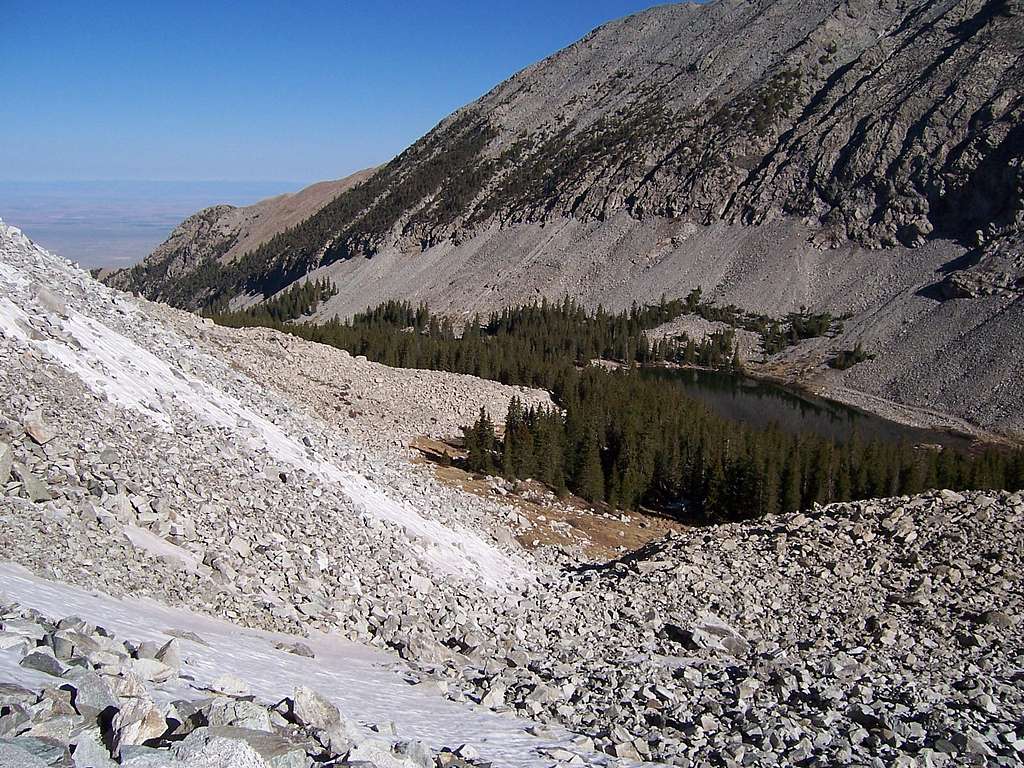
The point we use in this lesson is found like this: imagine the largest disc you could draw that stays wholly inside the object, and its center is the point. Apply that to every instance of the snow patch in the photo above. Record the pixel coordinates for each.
(148, 541)
(12, 276)
(364, 683)
(12, 321)
(115, 367)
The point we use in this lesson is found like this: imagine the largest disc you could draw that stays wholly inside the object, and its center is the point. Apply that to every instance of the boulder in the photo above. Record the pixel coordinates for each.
(380, 755)
(299, 649)
(170, 654)
(6, 463)
(47, 751)
(16, 754)
(137, 722)
(312, 710)
(224, 747)
(239, 714)
(36, 428)
(91, 694)
(90, 751)
(148, 757)
(35, 488)
(152, 670)
(710, 633)
(43, 660)
(416, 752)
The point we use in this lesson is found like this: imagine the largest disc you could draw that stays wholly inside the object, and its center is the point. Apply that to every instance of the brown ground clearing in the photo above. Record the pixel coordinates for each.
(569, 523)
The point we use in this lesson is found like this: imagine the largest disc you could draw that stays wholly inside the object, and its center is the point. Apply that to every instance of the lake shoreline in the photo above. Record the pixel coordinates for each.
(946, 429)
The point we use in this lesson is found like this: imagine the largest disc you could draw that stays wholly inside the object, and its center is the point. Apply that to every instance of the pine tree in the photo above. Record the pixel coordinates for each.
(589, 481)
(480, 444)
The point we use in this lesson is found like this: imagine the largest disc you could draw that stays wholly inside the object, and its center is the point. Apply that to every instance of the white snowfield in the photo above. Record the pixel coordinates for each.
(363, 683)
(119, 369)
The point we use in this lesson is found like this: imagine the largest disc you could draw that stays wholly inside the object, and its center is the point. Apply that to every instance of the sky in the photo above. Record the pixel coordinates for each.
(254, 91)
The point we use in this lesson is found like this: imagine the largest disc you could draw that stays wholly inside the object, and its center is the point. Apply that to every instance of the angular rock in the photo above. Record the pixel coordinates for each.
(35, 488)
(137, 722)
(6, 462)
(239, 748)
(50, 753)
(313, 710)
(42, 660)
(92, 695)
(170, 654)
(239, 714)
(90, 751)
(299, 649)
(16, 754)
(36, 428)
(151, 670)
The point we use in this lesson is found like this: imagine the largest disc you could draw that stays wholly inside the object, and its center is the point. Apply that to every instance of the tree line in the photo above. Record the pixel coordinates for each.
(627, 439)
(299, 300)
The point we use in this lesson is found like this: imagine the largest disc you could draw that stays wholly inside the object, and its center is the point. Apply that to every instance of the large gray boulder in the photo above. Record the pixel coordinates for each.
(35, 488)
(239, 714)
(90, 751)
(225, 747)
(43, 660)
(91, 694)
(313, 710)
(25, 751)
(14, 754)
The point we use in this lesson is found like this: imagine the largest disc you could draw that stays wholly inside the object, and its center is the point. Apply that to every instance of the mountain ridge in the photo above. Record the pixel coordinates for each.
(226, 232)
(830, 117)
(854, 157)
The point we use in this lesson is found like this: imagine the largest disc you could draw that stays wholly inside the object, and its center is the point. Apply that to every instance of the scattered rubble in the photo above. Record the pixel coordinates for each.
(96, 710)
(884, 632)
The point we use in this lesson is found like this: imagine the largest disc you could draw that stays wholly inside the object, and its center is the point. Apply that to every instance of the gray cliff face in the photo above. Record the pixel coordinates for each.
(854, 157)
(202, 237)
(881, 124)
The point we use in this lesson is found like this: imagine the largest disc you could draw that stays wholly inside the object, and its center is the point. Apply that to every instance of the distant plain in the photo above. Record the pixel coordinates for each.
(116, 223)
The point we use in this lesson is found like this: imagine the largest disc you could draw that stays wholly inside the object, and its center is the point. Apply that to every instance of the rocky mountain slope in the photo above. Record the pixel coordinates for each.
(241, 515)
(224, 233)
(854, 157)
(879, 123)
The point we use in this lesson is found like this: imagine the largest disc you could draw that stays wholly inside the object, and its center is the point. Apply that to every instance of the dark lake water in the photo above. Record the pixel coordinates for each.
(763, 403)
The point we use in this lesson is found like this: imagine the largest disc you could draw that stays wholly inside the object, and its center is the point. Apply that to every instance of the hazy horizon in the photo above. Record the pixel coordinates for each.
(115, 223)
(318, 90)
(109, 94)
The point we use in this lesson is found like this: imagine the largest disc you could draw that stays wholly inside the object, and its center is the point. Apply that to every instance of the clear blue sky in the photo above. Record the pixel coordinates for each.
(243, 91)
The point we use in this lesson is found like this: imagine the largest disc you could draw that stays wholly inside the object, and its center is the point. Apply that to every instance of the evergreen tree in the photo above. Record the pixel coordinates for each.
(589, 481)
(627, 436)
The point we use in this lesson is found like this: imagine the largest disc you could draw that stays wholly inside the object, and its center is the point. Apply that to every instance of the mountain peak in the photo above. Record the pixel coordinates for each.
(878, 124)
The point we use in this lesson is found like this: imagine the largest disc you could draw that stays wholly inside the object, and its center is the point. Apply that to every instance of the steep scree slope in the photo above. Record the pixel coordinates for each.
(879, 123)
(138, 457)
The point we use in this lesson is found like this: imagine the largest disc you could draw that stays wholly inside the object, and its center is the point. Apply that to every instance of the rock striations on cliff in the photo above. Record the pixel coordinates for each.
(861, 158)
(876, 123)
